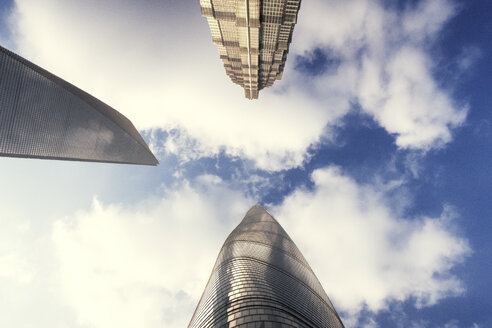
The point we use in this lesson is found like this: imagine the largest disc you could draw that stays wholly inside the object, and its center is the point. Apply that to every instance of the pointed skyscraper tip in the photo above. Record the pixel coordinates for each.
(43, 116)
(258, 212)
(261, 279)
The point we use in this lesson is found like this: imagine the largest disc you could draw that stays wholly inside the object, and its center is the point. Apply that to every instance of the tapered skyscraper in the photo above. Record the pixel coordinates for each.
(253, 38)
(43, 116)
(260, 279)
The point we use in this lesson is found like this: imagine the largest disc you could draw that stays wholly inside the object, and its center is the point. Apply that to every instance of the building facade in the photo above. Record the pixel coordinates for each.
(260, 279)
(253, 38)
(43, 116)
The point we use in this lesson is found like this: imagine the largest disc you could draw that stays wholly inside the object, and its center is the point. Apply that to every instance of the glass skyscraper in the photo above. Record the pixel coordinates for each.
(43, 116)
(253, 38)
(261, 280)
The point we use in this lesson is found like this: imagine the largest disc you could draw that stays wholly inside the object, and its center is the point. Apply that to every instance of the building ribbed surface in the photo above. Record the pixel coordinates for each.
(260, 279)
(253, 38)
(43, 116)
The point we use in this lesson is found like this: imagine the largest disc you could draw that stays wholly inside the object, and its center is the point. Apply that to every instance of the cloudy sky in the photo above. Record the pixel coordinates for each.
(373, 152)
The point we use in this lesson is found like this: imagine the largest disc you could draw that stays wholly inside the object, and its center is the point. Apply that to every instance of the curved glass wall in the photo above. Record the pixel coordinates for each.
(261, 279)
(43, 116)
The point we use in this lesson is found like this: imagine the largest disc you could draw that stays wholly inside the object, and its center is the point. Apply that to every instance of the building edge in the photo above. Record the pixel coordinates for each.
(104, 109)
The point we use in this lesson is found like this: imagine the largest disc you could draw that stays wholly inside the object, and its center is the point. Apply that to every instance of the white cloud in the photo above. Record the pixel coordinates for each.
(414, 109)
(155, 62)
(145, 265)
(456, 324)
(385, 65)
(28, 273)
(12, 267)
(427, 18)
(364, 253)
(468, 57)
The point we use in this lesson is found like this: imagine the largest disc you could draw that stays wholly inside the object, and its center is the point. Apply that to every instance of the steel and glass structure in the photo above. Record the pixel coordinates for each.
(261, 280)
(253, 38)
(43, 116)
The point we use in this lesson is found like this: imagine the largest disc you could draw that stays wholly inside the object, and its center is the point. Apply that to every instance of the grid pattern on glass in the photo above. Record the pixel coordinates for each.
(43, 116)
(260, 279)
(253, 38)
(278, 18)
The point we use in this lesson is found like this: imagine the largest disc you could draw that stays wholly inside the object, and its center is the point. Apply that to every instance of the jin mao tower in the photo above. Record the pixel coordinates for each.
(253, 38)
(260, 280)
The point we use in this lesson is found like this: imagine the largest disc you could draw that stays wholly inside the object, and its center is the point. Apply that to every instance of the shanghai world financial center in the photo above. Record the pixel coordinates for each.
(260, 278)
(43, 116)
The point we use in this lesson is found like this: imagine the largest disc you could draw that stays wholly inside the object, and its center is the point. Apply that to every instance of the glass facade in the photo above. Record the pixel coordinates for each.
(43, 116)
(261, 279)
(253, 38)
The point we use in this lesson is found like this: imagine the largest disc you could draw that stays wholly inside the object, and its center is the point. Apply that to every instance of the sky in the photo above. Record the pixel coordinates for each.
(373, 152)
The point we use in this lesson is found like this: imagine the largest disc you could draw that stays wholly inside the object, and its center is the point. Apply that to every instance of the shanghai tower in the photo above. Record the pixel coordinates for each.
(261, 279)
(253, 38)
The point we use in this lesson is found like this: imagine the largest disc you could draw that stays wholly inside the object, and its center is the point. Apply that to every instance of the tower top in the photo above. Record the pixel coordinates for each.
(261, 279)
(44, 116)
(253, 38)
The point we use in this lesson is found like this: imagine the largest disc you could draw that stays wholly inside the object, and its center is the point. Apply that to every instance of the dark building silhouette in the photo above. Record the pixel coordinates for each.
(43, 116)
(253, 38)
(260, 279)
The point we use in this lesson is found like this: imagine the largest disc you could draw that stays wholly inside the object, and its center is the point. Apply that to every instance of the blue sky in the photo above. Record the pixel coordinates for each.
(373, 152)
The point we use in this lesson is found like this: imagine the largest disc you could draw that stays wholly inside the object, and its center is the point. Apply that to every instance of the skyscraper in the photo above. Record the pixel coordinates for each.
(43, 116)
(260, 279)
(253, 38)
